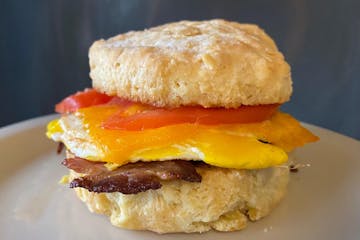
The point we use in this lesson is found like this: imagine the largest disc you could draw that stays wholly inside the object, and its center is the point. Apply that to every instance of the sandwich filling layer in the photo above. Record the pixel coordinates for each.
(239, 145)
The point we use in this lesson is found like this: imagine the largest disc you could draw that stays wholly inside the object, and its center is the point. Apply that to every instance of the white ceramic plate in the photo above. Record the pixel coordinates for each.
(323, 201)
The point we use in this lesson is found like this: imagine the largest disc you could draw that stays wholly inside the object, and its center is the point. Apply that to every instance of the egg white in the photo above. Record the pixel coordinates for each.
(77, 139)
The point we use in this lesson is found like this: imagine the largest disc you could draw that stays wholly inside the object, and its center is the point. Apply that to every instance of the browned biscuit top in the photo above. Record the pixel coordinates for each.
(213, 63)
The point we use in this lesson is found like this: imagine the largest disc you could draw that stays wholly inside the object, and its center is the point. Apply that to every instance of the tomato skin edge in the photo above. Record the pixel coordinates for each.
(155, 118)
(87, 98)
(136, 116)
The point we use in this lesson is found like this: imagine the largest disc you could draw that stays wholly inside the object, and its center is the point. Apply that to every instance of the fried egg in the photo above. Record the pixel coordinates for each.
(240, 146)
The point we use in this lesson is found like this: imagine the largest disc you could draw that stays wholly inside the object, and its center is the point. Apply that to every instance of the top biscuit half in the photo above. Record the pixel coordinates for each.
(213, 63)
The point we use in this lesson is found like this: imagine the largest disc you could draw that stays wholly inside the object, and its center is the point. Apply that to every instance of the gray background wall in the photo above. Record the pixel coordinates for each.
(43, 49)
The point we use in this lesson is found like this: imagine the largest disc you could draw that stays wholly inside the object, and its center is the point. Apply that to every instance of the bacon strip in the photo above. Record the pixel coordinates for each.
(131, 178)
(60, 147)
(81, 165)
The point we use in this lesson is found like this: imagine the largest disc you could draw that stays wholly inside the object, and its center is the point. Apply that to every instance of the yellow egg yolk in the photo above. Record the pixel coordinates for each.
(241, 146)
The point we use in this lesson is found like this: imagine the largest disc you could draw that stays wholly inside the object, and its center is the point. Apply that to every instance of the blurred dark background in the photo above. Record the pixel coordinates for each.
(44, 44)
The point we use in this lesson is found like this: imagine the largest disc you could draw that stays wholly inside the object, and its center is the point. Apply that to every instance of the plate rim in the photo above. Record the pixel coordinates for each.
(20, 126)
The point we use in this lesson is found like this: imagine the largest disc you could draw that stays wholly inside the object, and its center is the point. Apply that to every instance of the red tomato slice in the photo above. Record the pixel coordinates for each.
(87, 98)
(159, 117)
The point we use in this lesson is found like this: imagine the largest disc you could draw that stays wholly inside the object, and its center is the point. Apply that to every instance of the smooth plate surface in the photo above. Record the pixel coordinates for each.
(323, 201)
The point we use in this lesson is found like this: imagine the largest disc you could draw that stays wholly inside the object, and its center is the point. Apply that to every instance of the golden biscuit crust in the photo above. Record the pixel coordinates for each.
(225, 200)
(213, 63)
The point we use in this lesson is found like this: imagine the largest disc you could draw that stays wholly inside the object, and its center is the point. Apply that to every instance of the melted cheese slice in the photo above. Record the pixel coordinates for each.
(229, 146)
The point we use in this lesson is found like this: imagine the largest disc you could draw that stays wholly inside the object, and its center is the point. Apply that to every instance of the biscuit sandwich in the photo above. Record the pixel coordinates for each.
(181, 130)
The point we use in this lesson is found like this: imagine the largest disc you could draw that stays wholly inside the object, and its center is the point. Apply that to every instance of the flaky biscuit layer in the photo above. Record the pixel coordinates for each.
(225, 200)
(213, 63)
